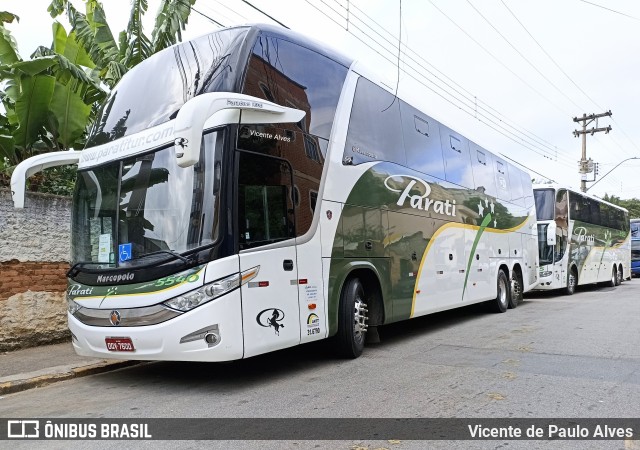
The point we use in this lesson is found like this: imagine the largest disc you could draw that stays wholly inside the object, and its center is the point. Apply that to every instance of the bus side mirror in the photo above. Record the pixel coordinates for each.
(36, 164)
(551, 233)
(190, 121)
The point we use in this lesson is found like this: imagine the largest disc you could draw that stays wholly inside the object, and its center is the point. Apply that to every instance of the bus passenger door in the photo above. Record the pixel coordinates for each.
(266, 238)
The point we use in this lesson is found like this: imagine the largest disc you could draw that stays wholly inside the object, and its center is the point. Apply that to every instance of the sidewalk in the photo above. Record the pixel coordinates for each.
(39, 366)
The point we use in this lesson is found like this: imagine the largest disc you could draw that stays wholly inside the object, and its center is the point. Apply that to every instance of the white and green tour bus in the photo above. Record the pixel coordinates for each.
(251, 190)
(581, 239)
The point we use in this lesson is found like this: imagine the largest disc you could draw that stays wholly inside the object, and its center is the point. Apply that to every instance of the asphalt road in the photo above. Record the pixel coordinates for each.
(552, 357)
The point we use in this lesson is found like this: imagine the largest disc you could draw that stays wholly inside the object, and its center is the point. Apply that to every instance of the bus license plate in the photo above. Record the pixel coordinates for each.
(119, 344)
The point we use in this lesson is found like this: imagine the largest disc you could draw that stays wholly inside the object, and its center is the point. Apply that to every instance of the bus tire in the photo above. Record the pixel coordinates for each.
(620, 275)
(501, 302)
(613, 282)
(572, 282)
(352, 319)
(516, 290)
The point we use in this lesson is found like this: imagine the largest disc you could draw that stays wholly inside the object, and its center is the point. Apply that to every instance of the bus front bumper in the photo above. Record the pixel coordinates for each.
(211, 332)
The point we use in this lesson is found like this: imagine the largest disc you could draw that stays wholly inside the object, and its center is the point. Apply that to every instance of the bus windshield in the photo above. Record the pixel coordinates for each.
(152, 92)
(128, 209)
(545, 200)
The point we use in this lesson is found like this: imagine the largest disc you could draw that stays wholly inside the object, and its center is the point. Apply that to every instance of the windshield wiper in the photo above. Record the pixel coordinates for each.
(75, 269)
(159, 252)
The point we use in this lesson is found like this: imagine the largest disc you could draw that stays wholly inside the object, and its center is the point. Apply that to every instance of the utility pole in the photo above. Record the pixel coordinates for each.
(585, 165)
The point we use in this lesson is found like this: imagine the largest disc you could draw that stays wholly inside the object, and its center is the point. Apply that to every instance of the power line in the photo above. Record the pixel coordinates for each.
(509, 136)
(499, 123)
(267, 15)
(523, 56)
(231, 10)
(219, 14)
(498, 60)
(395, 95)
(609, 9)
(202, 14)
(528, 168)
(467, 96)
(569, 78)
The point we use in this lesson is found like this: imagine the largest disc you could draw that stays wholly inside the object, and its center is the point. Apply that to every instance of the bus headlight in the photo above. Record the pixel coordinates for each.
(211, 291)
(72, 306)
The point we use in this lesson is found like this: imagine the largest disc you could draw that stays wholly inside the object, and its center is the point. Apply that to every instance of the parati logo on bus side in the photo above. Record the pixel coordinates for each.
(417, 201)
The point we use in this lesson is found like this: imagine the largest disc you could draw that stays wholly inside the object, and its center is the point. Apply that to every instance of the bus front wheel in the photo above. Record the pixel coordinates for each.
(352, 319)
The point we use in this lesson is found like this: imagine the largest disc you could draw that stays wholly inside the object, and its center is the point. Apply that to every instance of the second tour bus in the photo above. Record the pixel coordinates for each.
(251, 190)
(582, 239)
(635, 247)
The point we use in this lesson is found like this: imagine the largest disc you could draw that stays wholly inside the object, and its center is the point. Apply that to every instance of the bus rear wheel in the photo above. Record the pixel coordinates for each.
(572, 281)
(620, 276)
(352, 319)
(516, 290)
(501, 302)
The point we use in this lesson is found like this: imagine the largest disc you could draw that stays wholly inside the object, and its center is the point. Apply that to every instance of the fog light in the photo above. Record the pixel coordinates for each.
(210, 334)
(211, 339)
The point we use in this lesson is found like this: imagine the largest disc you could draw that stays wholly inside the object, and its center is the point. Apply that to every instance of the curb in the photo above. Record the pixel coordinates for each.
(11, 387)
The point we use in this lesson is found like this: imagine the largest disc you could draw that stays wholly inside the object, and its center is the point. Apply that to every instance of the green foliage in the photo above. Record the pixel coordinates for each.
(51, 100)
(55, 180)
(171, 20)
(632, 204)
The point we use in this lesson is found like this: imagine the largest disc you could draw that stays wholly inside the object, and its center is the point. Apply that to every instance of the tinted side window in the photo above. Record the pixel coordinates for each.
(580, 207)
(457, 163)
(291, 75)
(303, 151)
(482, 165)
(562, 208)
(265, 208)
(375, 132)
(422, 141)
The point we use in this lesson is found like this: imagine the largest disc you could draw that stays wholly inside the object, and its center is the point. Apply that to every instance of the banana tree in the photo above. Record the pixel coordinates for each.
(47, 99)
(51, 100)
(114, 58)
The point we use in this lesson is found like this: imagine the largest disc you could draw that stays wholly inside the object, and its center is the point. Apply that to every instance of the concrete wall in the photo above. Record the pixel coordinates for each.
(34, 257)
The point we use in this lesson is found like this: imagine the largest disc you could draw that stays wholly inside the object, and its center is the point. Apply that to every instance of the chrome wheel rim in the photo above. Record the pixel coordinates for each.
(515, 289)
(502, 292)
(360, 319)
(572, 281)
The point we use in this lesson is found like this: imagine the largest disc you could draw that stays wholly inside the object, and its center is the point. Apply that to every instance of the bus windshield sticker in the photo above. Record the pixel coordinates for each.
(124, 252)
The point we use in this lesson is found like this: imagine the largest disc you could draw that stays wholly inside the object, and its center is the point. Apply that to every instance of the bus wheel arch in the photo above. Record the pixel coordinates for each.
(360, 306)
(517, 287)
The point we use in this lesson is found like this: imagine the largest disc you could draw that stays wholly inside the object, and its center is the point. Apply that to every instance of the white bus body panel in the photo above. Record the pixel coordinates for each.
(162, 341)
(270, 313)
